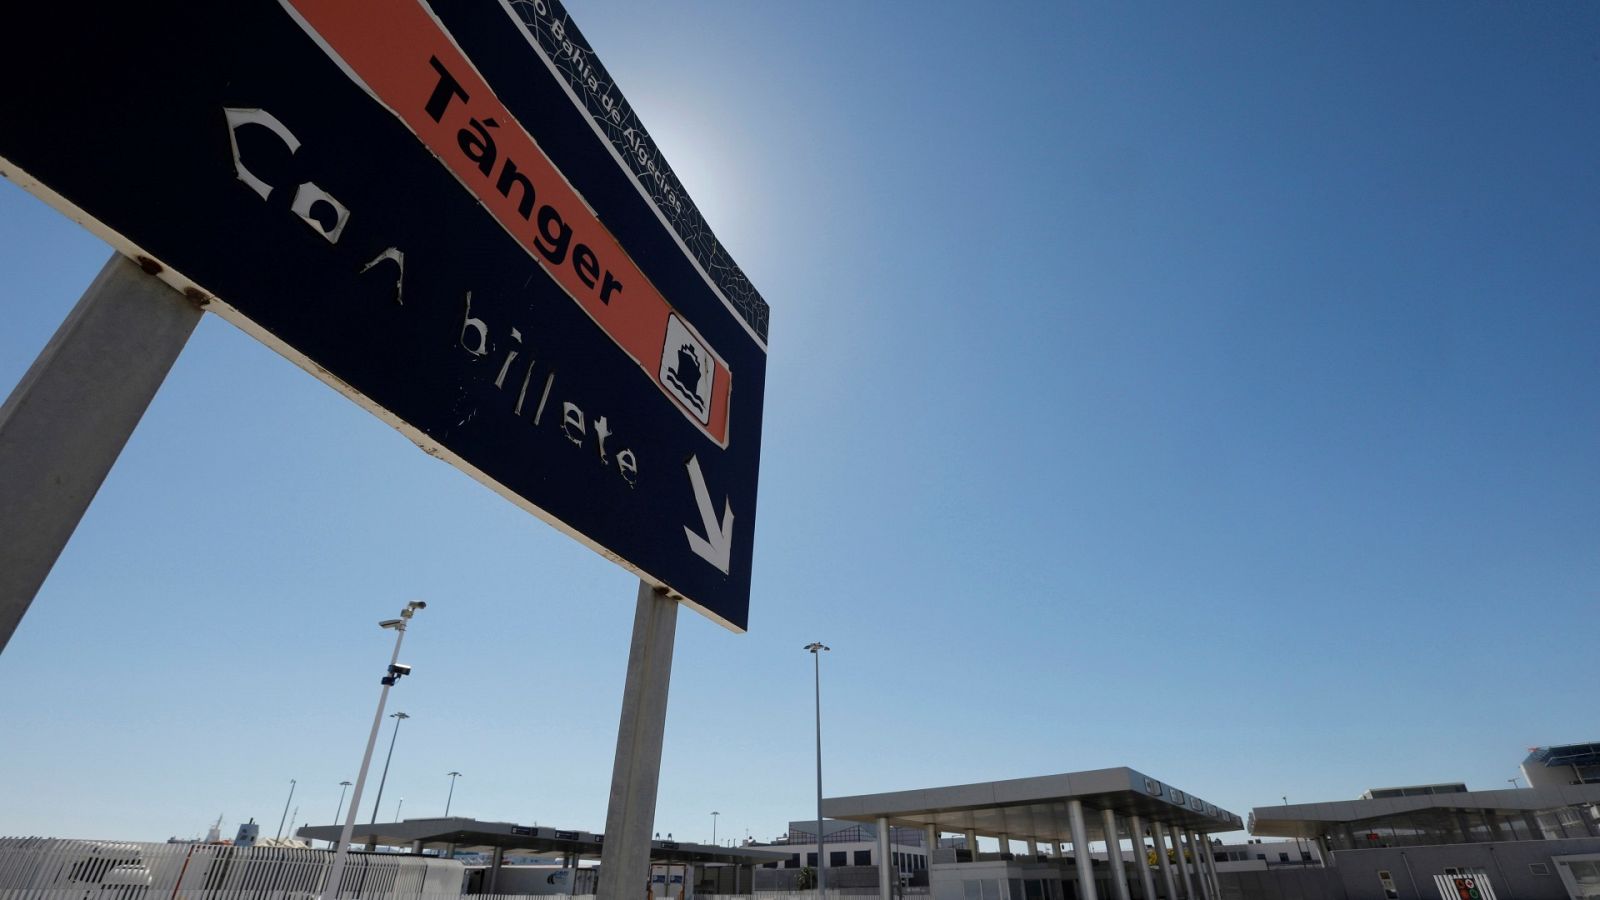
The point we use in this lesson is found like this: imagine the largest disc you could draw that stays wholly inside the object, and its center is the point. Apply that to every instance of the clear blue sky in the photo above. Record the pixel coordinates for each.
(1206, 389)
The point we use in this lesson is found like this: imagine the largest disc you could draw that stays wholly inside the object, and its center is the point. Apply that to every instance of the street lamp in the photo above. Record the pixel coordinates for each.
(1513, 781)
(396, 671)
(399, 806)
(452, 794)
(817, 648)
(1299, 847)
(714, 815)
(285, 816)
(398, 718)
(343, 786)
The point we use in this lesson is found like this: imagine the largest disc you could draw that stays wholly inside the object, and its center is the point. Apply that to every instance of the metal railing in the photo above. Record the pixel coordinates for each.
(63, 869)
(848, 893)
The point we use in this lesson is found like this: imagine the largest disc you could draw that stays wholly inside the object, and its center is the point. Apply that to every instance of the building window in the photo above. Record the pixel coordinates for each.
(981, 889)
(1283, 857)
(863, 857)
(837, 858)
(811, 859)
(1539, 868)
(793, 862)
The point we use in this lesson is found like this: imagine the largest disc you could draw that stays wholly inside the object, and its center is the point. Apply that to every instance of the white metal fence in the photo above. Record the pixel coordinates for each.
(57, 869)
(839, 894)
(65, 869)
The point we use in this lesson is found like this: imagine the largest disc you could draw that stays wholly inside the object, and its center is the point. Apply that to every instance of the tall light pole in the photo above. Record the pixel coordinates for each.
(330, 890)
(1299, 847)
(1513, 781)
(398, 718)
(452, 794)
(285, 816)
(399, 806)
(343, 786)
(817, 648)
(714, 815)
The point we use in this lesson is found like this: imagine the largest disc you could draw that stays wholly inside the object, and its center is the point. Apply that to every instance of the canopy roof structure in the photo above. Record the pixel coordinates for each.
(1036, 808)
(1310, 820)
(473, 835)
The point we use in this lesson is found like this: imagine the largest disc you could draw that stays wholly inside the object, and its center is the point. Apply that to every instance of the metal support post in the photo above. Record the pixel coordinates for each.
(1211, 868)
(1197, 852)
(885, 861)
(1141, 861)
(1191, 891)
(70, 415)
(1178, 853)
(1168, 881)
(636, 771)
(1080, 851)
(495, 862)
(1119, 874)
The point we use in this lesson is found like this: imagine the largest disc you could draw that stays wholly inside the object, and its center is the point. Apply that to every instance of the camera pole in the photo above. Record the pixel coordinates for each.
(330, 891)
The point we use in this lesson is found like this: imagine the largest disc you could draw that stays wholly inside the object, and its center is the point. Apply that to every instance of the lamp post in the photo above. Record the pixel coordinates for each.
(340, 809)
(1513, 781)
(285, 816)
(399, 806)
(398, 718)
(714, 815)
(343, 786)
(452, 794)
(1299, 847)
(330, 890)
(817, 648)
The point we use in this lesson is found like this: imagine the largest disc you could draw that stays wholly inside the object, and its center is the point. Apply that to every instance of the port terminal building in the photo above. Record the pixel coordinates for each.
(1416, 842)
(1153, 838)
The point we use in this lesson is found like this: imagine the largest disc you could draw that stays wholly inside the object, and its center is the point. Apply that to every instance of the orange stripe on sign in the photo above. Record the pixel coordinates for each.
(402, 56)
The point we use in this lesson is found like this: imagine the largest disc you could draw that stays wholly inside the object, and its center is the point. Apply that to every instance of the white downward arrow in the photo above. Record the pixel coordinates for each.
(717, 545)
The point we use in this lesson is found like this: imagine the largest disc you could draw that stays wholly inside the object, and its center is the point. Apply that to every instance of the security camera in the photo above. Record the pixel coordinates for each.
(399, 669)
(391, 623)
(417, 604)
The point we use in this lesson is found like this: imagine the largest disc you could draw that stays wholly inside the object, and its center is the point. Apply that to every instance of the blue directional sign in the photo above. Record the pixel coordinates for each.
(445, 210)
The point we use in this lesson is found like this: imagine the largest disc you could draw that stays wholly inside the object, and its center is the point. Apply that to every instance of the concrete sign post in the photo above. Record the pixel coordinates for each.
(625, 855)
(449, 213)
(70, 415)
